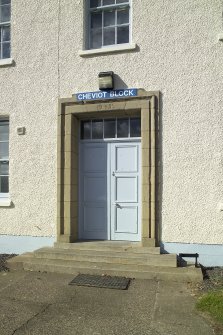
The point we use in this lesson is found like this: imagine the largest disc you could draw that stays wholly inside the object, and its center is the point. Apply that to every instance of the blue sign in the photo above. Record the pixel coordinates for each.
(115, 94)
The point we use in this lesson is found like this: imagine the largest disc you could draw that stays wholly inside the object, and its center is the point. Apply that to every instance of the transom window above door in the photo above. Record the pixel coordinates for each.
(111, 128)
(109, 23)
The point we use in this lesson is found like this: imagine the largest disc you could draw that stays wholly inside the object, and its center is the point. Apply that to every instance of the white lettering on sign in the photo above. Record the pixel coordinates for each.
(107, 94)
(121, 93)
(91, 96)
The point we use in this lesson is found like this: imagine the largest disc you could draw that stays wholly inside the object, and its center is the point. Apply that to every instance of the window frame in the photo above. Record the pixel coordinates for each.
(4, 25)
(127, 4)
(5, 195)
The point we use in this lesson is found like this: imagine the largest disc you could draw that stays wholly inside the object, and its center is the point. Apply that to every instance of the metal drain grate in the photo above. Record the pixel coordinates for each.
(119, 283)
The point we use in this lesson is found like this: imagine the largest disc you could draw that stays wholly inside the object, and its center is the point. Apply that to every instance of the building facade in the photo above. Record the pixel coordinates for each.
(141, 167)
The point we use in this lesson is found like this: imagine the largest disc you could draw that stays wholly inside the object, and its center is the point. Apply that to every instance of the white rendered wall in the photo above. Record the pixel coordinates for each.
(29, 92)
(178, 53)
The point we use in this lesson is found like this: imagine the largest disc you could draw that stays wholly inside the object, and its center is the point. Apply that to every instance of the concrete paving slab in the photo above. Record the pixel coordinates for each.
(167, 288)
(184, 307)
(164, 328)
(41, 287)
(44, 304)
(15, 313)
(63, 319)
(7, 278)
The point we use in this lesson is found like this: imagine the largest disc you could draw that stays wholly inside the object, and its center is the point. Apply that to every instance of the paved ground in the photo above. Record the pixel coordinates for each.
(44, 304)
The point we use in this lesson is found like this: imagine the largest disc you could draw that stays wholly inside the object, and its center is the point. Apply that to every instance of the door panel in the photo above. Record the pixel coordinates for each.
(94, 220)
(126, 158)
(126, 189)
(94, 188)
(93, 191)
(94, 157)
(125, 192)
(126, 220)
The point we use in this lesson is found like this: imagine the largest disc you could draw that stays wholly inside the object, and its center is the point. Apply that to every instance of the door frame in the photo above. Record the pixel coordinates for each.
(70, 112)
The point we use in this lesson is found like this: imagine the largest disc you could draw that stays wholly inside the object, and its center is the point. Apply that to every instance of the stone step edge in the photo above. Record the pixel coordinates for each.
(95, 264)
(16, 262)
(193, 275)
(98, 246)
(96, 253)
(140, 251)
(172, 262)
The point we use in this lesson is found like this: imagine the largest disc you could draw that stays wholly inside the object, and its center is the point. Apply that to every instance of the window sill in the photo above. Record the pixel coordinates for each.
(6, 61)
(108, 50)
(5, 202)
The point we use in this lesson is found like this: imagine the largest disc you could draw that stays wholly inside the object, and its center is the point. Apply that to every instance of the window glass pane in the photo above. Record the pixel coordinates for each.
(4, 184)
(5, 14)
(5, 34)
(4, 150)
(122, 35)
(97, 129)
(122, 127)
(6, 50)
(4, 168)
(96, 20)
(4, 132)
(95, 3)
(85, 130)
(5, 2)
(109, 36)
(108, 2)
(96, 38)
(123, 16)
(109, 128)
(122, 1)
(109, 18)
(135, 127)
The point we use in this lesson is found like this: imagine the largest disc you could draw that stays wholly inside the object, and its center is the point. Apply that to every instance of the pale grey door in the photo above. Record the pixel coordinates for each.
(125, 192)
(109, 196)
(93, 191)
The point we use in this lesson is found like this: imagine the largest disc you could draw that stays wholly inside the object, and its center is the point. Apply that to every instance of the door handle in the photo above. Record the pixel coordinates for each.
(113, 173)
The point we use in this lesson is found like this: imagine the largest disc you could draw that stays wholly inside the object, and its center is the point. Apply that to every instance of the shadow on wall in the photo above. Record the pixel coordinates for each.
(10, 206)
(159, 168)
(119, 83)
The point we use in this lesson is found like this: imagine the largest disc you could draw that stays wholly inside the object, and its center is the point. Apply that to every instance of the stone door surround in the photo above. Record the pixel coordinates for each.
(146, 104)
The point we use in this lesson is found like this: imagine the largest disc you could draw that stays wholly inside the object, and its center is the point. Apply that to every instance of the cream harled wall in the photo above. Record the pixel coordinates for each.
(178, 53)
(29, 92)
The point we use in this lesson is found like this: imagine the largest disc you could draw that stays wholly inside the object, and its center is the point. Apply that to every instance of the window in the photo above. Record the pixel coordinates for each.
(4, 158)
(109, 22)
(5, 38)
(111, 128)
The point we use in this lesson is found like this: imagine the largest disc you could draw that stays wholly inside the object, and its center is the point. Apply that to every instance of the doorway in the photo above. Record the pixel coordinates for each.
(121, 121)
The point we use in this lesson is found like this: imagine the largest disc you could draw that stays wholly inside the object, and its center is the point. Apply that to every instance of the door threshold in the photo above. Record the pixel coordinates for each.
(121, 242)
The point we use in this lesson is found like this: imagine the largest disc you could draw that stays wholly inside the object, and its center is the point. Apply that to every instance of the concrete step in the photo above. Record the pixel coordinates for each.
(76, 264)
(95, 256)
(149, 272)
(119, 246)
(16, 263)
